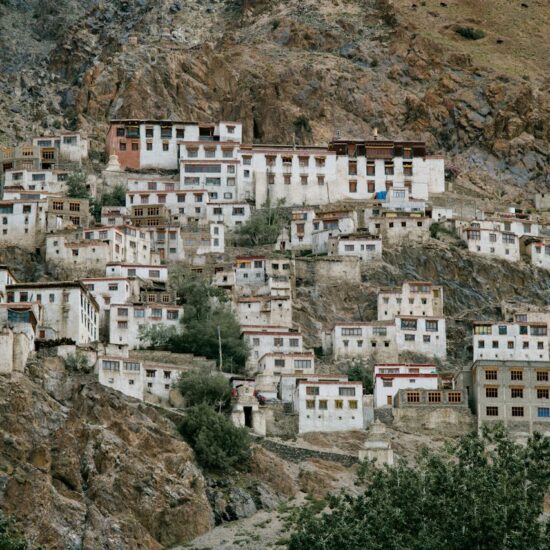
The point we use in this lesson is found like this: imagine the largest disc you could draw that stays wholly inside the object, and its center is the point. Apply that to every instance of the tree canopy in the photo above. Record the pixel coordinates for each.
(206, 316)
(264, 225)
(484, 492)
(204, 387)
(218, 444)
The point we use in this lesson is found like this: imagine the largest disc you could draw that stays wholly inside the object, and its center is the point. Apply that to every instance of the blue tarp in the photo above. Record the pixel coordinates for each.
(381, 195)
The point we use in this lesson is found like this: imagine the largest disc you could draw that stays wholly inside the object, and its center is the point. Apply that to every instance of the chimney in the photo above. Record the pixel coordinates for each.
(375, 133)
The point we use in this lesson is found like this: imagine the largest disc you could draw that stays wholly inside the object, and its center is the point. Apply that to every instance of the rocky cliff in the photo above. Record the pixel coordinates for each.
(304, 68)
(83, 467)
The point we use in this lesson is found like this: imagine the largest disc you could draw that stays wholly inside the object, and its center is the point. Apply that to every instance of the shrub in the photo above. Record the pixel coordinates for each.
(9, 540)
(77, 362)
(203, 387)
(218, 444)
(470, 33)
(264, 225)
(358, 372)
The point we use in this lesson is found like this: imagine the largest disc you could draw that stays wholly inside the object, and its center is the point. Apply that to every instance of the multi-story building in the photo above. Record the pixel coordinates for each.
(536, 251)
(151, 272)
(364, 246)
(126, 321)
(52, 181)
(140, 144)
(425, 335)
(143, 380)
(114, 215)
(326, 406)
(492, 242)
(64, 147)
(329, 224)
(364, 339)
(6, 278)
(264, 310)
(301, 228)
(231, 214)
(68, 309)
(393, 227)
(346, 170)
(515, 393)
(511, 341)
(416, 298)
(287, 363)
(389, 378)
(274, 339)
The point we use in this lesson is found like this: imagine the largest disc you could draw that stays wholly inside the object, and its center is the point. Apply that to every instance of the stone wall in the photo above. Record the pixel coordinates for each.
(280, 423)
(323, 270)
(450, 421)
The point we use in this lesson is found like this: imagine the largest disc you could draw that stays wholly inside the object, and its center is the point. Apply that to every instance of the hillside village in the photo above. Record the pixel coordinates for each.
(188, 190)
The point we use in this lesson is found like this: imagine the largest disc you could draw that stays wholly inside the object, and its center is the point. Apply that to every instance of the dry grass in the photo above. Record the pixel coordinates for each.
(524, 32)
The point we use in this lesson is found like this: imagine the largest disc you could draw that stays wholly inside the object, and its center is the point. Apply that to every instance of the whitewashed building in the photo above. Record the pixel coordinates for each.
(492, 243)
(536, 251)
(287, 363)
(414, 298)
(264, 310)
(126, 321)
(231, 214)
(393, 227)
(68, 309)
(329, 407)
(390, 378)
(67, 146)
(51, 181)
(425, 335)
(362, 340)
(301, 229)
(511, 341)
(366, 247)
(264, 339)
(147, 272)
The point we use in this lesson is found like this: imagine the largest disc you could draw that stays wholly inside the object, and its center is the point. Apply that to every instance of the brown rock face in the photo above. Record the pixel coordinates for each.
(83, 467)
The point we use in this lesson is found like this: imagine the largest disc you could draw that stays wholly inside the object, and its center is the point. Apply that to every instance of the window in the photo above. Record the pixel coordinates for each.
(352, 404)
(310, 404)
(113, 287)
(156, 313)
(434, 397)
(312, 390)
(539, 330)
(413, 397)
(387, 382)
(339, 404)
(172, 315)
(491, 392)
(481, 344)
(122, 312)
(149, 373)
(503, 330)
(353, 186)
(323, 404)
(301, 364)
(131, 366)
(154, 273)
(351, 331)
(543, 412)
(320, 180)
(542, 376)
(409, 337)
(516, 375)
(149, 132)
(482, 330)
(408, 324)
(122, 324)
(111, 365)
(543, 393)
(490, 374)
(346, 391)
(135, 146)
(491, 411)
(294, 342)
(517, 411)
(370, 168)
(517, 393)
(120, 131)
(122, 146)
(431, 326)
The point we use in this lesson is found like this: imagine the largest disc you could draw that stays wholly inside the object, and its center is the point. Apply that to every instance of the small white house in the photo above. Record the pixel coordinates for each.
(366, 247)
(511, 341)
(127, 319)
(287, 363)
(363, 340)
(328, 406)
(536, 251)
(390, 378)
(262, 340)
(148, 272)
(492, 242)
(264, 310)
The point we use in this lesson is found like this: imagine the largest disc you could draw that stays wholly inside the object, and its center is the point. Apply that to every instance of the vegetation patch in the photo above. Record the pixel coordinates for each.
(470, 33)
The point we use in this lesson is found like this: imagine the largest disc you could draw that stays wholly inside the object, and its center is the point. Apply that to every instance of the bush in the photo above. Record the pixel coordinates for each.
(77, 362)
(360, 372)
(218, 444)
(202, 387)
(76, 186)
(9, 540)
(470, 33)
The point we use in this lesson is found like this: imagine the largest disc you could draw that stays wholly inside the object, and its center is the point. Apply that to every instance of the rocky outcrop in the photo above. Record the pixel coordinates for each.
(85, 467)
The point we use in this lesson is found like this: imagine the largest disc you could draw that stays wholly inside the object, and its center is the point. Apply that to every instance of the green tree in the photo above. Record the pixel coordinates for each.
(76, 186)
(115, 197)
(264, 225)
(218, 444)
(204, 387)
(482, 493)
(207, 320)
(9, 540)
(359, 372)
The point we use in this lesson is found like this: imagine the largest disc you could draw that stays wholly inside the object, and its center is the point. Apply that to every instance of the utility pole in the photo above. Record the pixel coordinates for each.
(220, 348)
